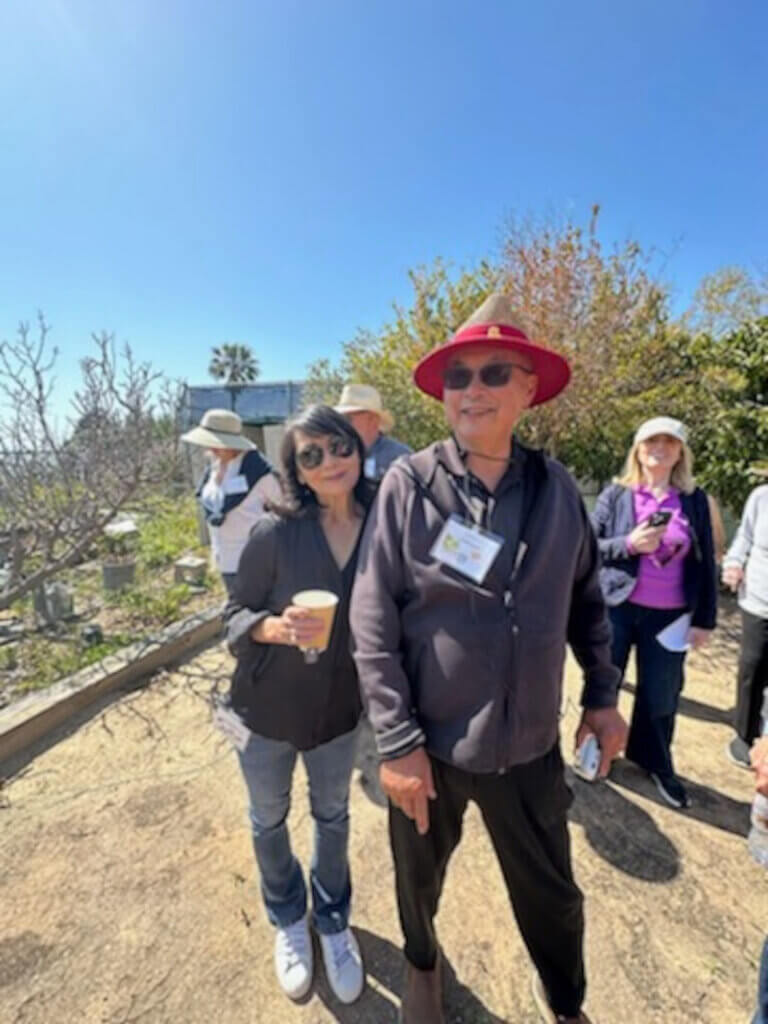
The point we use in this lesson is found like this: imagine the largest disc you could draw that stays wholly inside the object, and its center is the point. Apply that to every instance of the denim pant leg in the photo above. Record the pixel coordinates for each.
(761, 1014)
(659, 681)
(329, 768)
(267, 767)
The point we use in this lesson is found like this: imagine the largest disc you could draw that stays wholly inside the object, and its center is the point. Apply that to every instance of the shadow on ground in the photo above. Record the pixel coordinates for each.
(385, 965)
(622, 833)
(708, 805)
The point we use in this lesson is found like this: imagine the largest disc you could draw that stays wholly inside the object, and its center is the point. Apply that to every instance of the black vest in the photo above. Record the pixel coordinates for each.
(253, 467)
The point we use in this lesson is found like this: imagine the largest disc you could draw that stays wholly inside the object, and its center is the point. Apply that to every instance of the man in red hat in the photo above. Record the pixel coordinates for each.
(478, 565)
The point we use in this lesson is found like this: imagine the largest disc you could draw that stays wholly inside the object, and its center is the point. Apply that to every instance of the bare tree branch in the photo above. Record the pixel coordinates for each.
(60, 487)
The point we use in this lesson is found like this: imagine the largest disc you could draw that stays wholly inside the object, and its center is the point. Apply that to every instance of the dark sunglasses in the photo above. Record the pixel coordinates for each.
(493, 375)
(311, 456)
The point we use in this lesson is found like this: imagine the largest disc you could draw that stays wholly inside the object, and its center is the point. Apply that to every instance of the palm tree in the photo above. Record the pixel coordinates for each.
(235, 365)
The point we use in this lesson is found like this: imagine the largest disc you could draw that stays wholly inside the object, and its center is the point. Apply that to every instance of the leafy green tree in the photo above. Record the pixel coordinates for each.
(601, 310)
(234, 364)
(728, 410)
(725, 300)
(386, 359)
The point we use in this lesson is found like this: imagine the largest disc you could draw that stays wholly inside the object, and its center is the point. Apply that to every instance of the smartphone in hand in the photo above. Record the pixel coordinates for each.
(660, 517)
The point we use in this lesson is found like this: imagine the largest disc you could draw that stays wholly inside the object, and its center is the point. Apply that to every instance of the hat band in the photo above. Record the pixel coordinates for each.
(490, 332)
(224, 433)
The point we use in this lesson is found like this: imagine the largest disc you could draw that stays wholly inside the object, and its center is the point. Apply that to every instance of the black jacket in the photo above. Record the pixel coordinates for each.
(614, 519)
(474, 671)
(273, 690)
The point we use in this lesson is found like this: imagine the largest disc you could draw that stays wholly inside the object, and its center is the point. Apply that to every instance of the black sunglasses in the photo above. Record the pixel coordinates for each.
(312, 455)
(493, 375)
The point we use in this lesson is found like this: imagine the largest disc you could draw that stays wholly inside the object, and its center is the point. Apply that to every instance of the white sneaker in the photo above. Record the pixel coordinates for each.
(343, 965)
(293, 959)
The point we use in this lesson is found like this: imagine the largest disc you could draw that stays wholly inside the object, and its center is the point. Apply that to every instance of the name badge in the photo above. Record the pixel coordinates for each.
(236, 485)
(232, 726)
(466, 549)
(369, 468)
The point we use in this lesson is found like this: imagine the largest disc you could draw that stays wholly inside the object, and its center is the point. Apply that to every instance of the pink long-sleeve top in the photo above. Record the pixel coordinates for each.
(660, 575)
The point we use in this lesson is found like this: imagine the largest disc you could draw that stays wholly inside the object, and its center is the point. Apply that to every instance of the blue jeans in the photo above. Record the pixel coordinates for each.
(659, 682)
(268, 770)
(761, 1014)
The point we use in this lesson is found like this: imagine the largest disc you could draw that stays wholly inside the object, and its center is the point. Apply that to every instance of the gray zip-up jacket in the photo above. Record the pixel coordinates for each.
(474, 672)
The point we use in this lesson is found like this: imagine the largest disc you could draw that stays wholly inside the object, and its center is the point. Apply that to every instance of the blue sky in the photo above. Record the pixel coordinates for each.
(186, 172)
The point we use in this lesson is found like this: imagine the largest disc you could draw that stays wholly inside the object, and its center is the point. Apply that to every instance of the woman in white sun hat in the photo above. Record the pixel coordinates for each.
(234, 488)
(654, 530)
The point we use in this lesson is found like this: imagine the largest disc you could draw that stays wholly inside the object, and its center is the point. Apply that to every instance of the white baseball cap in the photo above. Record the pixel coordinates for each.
(661, 425)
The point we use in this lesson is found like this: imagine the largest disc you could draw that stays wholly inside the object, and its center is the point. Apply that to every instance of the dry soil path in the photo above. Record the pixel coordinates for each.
(127, 883)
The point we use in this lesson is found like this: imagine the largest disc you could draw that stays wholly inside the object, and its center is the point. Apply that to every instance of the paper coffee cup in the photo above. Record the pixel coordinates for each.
(322, 604)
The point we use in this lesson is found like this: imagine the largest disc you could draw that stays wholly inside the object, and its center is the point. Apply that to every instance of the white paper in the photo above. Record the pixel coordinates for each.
(232, 726)
(674, 637)
(236, 485)
(466, 549)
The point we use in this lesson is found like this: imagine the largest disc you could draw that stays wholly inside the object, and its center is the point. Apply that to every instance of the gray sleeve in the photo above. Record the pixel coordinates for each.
(741, 545)
(255, 578)
(612, 549)
(375, 623)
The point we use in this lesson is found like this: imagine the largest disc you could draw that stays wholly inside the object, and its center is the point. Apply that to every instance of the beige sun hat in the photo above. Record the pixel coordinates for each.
(364, 398)
(219, 428)
(661, 425)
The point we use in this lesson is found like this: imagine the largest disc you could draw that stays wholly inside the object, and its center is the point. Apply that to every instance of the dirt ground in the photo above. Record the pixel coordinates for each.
(128, 895)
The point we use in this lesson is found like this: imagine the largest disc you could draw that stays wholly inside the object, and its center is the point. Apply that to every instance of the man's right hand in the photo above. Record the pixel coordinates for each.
(407, 781)
(732, 576)
(645, 538)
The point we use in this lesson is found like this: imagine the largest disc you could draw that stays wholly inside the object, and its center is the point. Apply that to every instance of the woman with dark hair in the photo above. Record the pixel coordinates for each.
(295, 702)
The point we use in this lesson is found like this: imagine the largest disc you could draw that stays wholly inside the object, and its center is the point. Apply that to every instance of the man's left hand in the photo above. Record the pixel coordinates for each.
(611, 731)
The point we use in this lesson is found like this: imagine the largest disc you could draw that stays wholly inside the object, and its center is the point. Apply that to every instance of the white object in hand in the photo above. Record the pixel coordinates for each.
(587, 761)
(674, 637)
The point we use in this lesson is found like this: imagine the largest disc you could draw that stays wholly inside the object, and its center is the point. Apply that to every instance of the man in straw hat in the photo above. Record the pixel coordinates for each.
(477, 566)
(362, 406)
(234, 488)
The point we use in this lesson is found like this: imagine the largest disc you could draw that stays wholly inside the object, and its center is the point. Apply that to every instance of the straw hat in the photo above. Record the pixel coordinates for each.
(364, 398)
(219, 428)
(495, 323)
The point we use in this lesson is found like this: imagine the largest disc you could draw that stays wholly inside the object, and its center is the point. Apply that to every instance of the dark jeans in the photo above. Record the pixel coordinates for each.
(659, 679)
(761, 1013)
(524, 810)
(753, 675)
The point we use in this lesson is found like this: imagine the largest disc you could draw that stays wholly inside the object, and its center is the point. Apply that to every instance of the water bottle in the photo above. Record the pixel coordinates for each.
(758, 833)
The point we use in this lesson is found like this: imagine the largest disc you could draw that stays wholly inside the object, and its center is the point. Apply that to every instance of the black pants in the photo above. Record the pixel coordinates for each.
(753, 675)
(524, 810)
(659, 680)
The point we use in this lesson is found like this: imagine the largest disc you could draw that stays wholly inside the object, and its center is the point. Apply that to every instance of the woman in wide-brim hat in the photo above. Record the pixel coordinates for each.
(234, 489)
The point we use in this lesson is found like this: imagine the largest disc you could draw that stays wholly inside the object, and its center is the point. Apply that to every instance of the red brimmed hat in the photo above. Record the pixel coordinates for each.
(495, 324)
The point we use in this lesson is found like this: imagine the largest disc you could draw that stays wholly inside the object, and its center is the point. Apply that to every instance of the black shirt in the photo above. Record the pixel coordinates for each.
(275, 692)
